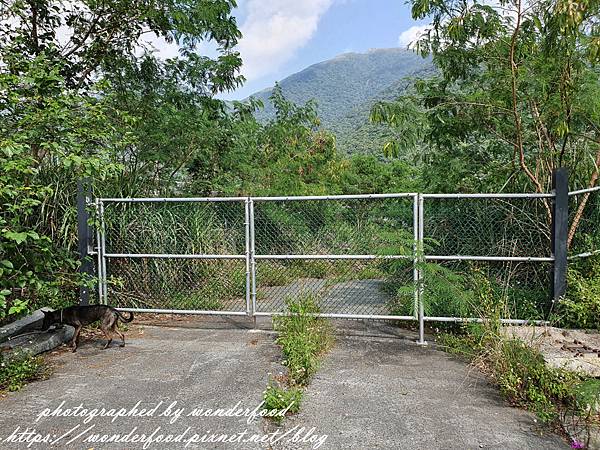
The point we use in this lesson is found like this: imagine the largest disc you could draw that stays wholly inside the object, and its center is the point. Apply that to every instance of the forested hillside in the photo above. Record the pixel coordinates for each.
(344, 89)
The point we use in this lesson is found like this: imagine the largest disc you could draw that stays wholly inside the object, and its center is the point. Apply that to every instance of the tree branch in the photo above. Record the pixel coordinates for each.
(517, 118)
(581, 207)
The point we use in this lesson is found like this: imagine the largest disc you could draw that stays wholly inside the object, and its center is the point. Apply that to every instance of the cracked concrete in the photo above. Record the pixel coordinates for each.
(376, 389)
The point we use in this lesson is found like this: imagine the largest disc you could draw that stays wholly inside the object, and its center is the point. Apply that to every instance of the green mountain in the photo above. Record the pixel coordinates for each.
(346, 86)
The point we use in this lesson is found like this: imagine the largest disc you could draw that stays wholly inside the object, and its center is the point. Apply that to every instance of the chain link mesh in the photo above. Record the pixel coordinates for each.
(362, 231)
(360, 287)
(188, 228)
(182, 284)
(504, 289)
(376, 227)
(175, 228)
(334, 227)
(487, 226)
(585, 223)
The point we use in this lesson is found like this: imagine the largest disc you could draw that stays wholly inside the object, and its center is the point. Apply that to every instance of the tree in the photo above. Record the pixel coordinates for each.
(517, 95)
(289, 155)
(85, 36)
(65, 115)
(74, 136)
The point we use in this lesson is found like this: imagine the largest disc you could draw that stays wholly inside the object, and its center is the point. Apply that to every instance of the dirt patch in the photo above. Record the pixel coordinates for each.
(576, 350)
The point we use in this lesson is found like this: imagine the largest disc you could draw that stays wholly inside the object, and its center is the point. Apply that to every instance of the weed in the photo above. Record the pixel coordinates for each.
(19, 369)
(557, 396)
(274, 274)
(581, 306)
(281, 400)
(303, 338)
(203, 300)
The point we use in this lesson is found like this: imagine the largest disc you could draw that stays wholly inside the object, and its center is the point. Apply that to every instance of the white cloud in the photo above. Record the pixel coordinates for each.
(161, 47)
(274, 30)
(408, 38)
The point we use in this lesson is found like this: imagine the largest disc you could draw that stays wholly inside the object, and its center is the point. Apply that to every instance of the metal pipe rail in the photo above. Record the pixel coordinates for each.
(584, 191)
(171, 199)
(341, 257)
(416, 254)
(499, 195)
(489, 258)
(171, 256)
(480, 320)
(341, 316)
(333, 197)
(183, 311)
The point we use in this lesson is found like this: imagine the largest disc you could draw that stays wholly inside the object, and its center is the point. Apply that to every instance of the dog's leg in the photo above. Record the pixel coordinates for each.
(75, 338)
(116, 330)
(107, 334)
(108, 337)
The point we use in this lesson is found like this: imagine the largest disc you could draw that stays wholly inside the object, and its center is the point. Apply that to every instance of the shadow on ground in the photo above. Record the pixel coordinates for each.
(376, 389)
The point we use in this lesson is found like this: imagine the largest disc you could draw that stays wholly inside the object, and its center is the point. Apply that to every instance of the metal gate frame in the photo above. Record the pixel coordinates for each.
(413, 257)
(103, 255)
(250, 257)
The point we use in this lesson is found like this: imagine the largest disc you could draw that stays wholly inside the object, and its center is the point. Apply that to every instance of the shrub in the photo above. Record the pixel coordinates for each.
(278, 399)
(465, 340)
(581, 306)
(524, 378)
(20, 369)
(303, 338)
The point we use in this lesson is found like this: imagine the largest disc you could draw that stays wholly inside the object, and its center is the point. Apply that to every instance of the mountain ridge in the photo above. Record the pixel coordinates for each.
(344, 88)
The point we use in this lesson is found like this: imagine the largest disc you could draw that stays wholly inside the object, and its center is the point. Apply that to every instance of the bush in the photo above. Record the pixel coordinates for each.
(20, 369)
(51, 137)
(303, 338)
(581, 306)
(464, 340)
(278, 399)
(525, 380)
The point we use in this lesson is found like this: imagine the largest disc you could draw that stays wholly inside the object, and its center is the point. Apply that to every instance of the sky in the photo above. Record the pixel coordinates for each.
(282, 37)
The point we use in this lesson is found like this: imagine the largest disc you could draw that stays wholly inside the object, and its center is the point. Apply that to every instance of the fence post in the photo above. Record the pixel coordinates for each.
(420, 260)
(84, 234)
(560, 229)
(247, 253)
(252, 261)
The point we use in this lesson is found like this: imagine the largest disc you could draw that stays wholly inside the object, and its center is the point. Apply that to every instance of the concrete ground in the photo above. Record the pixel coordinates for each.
(574, 350)
(352, 297)
(376, 389)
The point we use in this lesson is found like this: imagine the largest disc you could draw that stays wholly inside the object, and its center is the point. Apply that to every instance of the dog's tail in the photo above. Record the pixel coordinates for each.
(122, 317)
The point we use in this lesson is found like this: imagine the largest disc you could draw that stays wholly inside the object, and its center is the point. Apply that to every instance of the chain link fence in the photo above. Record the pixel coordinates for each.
(584, 220)
(488, 247)
(337, 249)
(487, 226)
(390, 256)
(176, 254)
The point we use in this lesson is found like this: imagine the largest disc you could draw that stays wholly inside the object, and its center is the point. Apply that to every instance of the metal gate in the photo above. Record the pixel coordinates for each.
(361, 256)
(155, 254)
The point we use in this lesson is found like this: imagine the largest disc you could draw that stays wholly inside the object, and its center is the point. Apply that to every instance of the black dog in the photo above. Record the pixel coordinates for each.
(79, 316)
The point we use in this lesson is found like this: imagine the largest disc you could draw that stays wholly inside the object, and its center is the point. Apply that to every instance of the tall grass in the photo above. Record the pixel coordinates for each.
(303, 338)
(218, 228)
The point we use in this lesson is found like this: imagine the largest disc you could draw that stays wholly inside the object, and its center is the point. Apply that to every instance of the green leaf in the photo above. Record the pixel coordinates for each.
(19, 238)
